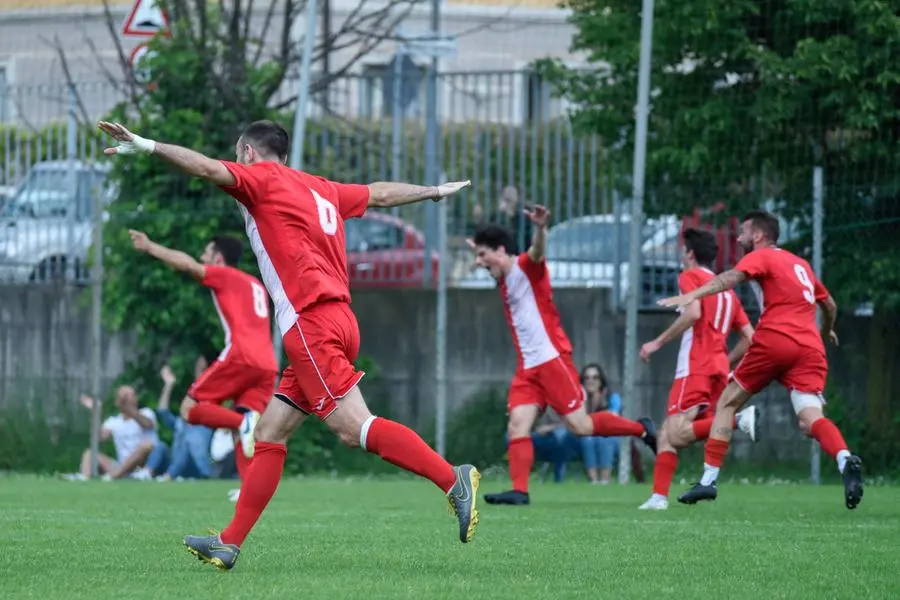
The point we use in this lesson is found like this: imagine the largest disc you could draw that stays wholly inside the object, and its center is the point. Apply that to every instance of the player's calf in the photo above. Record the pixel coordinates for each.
(816, 425)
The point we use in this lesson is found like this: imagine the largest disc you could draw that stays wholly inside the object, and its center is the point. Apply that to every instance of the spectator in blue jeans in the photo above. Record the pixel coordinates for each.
(599, 453)
(190, 445)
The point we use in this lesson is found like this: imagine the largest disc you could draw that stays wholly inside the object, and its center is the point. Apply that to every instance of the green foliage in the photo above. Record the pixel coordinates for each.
(36, 442)
(748, 98)
(475, 431)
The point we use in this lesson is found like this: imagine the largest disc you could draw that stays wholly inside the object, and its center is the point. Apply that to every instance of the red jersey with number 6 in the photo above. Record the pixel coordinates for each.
(243, 309)
(295, 224)
(787, 290)
(704, 347)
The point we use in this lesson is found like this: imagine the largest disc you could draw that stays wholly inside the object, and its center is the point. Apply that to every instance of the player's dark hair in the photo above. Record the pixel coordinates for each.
(703, 245)
(765, 222)
(230, 248)
(268, 138)
(495, 236)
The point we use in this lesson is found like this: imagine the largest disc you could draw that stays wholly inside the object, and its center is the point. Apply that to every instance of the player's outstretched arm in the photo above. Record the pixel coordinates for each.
(387, 194)
(190, 161)
(178, 260)
(829, 317)
(684, 322)
(740, 349)
(722, 282)
(540, 216)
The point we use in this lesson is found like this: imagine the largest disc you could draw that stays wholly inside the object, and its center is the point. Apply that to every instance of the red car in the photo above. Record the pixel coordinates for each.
(384, 251)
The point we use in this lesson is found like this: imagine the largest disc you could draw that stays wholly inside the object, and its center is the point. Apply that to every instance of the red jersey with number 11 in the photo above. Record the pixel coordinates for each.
(295, 223)
(787, 290)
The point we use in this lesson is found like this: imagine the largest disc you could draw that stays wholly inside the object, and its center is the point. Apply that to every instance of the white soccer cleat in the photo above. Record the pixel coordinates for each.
(655, 502)
(248, 427)
(748, 422)
(233, 495)
(74, 477)
(142, 474)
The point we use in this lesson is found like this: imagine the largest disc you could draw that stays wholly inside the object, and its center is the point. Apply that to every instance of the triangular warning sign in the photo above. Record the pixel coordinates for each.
(146, 19)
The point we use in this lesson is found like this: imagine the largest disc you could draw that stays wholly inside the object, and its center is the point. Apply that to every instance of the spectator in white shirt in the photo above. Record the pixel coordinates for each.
(133, 432)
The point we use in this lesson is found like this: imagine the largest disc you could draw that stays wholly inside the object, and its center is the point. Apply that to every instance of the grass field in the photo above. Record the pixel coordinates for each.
(393, 539)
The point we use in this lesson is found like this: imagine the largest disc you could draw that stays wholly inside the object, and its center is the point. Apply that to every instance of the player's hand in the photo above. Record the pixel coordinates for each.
(676, 301)
(648, 349)
(86, 401)
(448, 189)
(139, 240)
(833, 338)
(129, 143)
(167, 375)
(538, 214)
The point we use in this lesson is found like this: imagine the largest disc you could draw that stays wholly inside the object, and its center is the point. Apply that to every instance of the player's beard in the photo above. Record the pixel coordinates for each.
(747, 248)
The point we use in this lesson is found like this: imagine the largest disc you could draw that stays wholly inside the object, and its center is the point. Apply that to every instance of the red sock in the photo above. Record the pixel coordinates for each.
(607, 424)
(664, 471)
(828, 436)
(702, 427)
(257, 489)
(215, 416)
(401, 446)
(521, 458)
(241, 461)
(715, 452)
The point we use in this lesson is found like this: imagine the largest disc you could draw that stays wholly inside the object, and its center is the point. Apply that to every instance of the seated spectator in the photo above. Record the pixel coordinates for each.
(599, 453)
(190, 444)
(133, 432)
(555, 444)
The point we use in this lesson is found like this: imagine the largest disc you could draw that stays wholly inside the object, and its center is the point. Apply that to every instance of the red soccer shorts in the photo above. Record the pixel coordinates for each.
(775, 357)
(554, 383)
(249, 387)
(321, 347)
(702, 391)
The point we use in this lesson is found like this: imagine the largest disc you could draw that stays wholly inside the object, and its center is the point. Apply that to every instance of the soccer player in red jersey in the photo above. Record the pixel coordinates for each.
(546, 374)
(246, 370)
(295, 224)
(787, 347)
(703, 363)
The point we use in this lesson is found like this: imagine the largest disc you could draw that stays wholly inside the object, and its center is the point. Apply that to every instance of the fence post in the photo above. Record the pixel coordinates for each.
(637, 218)
(440, 423)
(68, 269)
(815, 466)
(96, 331)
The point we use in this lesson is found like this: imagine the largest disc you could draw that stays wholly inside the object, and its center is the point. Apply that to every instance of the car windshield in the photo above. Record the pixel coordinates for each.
(44, 192)
(590, 241)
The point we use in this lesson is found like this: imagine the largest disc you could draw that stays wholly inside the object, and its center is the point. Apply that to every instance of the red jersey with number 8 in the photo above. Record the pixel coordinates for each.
(243, 309)
(787, 291)
(295, 224)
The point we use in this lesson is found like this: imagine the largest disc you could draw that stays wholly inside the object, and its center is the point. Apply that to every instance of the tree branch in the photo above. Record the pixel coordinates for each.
(131, 92)
(67, 73)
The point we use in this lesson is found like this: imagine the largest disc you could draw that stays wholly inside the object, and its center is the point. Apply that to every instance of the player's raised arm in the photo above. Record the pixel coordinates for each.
(191, 162)
(387, 194)
(722, 282)
(180, 261)
(540, 216)
(690, 315)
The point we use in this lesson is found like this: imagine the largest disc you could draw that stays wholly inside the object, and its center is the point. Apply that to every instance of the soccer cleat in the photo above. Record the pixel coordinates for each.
(247, 432)
(461, 499)
(655, 503)
(698, 493)
(211, 550)
(853, 482)
(748, 422)
(512, 497)
(74, 477)
(649, 433)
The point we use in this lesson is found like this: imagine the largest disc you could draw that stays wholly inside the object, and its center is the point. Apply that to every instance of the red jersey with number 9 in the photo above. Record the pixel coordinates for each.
(787, 290)
(243, 309)
(295, 224)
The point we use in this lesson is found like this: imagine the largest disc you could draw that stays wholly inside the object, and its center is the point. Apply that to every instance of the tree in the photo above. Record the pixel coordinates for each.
(748, 97)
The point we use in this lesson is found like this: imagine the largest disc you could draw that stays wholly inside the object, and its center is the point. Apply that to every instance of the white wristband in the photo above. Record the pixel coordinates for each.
(136, 145)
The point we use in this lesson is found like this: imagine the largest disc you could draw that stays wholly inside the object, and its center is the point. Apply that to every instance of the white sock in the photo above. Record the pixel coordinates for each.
(656, 496)
(841, 458)
(710, 474)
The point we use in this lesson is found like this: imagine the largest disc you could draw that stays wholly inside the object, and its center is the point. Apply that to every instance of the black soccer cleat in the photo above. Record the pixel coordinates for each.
(462, 498)
(699, 493)
(853, 482)
(211, 550)
(512, 497)
(649, 436)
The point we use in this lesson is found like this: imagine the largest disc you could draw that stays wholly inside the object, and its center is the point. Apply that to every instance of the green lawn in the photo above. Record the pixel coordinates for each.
(393, 539)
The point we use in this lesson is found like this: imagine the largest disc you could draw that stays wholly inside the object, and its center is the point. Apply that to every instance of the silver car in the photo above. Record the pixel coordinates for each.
(46, 225)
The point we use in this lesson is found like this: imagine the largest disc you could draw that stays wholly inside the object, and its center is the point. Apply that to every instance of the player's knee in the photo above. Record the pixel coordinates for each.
(516, 429)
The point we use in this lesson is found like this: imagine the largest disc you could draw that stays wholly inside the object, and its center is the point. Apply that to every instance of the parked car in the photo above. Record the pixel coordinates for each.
(385, 251)
(45, 227)
(583, 252)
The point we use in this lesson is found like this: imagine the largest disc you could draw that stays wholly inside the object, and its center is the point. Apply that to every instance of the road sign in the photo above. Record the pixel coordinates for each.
(432, 46)
(139, 63)
(146, 19)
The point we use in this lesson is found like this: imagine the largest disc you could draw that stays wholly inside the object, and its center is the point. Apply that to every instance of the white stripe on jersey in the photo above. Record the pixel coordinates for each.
(532, 337)
(225, 326)
(285, 315)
